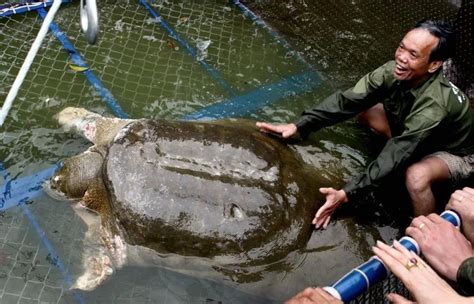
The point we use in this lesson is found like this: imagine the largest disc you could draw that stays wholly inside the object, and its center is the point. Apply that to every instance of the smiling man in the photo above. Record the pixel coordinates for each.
(427, 121)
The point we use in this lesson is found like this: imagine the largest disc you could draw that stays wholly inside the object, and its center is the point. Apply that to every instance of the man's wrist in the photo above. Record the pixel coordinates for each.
(345, 198)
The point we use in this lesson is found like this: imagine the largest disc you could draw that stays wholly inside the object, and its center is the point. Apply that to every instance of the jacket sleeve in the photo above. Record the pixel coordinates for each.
(465, 277)
(344, 105)
(398, 150)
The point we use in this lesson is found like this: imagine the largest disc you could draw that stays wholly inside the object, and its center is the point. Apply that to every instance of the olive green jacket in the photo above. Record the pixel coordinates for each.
(465, 277)
(435, 116)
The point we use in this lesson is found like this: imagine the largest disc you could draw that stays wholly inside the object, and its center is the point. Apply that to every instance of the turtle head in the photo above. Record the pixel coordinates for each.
(79, 120)
(69, 116)
(98, 129)
(77, 175)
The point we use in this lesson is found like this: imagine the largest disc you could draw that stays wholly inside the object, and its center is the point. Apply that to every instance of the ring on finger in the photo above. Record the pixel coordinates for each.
(413, 262)
(421, 226)
(461, 198)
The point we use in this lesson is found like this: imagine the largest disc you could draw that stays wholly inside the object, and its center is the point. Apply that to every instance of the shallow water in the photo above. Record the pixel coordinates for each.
(151, 74)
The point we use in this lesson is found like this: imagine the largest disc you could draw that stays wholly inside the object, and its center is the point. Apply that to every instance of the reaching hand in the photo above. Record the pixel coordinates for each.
(286, 131)
(334, 198)
(443, 246)
(313, 296)
(422, 281)
(462, 201)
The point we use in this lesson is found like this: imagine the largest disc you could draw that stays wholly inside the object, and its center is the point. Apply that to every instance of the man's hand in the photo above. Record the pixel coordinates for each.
(462, 201)
(313, 296)
(286, 131)
(334, 198)
(442, 245)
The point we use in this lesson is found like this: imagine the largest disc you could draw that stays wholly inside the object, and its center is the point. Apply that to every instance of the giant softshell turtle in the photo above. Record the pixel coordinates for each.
(207, 189)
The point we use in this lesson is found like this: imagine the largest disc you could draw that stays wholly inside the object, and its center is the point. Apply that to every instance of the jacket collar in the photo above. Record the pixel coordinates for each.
(436, 77)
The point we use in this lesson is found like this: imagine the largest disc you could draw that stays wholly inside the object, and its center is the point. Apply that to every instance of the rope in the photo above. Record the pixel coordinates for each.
(28, 61)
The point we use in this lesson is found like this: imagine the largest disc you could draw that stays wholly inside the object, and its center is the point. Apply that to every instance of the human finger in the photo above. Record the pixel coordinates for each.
(323, 293)
(461, 195)
(435, 218)
(421, 222)
(398, 299)
(468, 197)
(318, 215)
(415, 233)
(310, 295)
(398, 246)
(298, 298)
(401, 254)
(468, 190)
(263, 126)
(462, 206)
(308, 292)
(454, 196)
(414, 260)
(322, 213)
(326, 190)
(393, 251)
(325, 208)
(388, 256)
(320, 221)
(417, 262)
(452, 203)
(326, 222)
(458, 195)
(388, 253)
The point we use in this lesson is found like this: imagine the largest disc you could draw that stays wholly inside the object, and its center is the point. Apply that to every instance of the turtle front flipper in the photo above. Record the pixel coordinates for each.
(96, 258)
(96, 198)
(100, 258)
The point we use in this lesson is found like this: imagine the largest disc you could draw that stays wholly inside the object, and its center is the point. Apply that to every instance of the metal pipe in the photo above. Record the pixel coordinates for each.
(90, 20)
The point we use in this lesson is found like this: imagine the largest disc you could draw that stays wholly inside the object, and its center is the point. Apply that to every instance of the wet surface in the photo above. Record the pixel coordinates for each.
(151, 75)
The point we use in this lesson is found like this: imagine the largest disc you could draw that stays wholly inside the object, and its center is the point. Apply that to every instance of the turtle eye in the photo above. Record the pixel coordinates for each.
(236, 212)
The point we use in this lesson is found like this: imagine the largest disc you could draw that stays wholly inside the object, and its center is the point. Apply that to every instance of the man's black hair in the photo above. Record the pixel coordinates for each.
(445, 32)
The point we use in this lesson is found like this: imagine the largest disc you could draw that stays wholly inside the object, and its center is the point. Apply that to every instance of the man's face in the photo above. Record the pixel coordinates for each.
(412, 57)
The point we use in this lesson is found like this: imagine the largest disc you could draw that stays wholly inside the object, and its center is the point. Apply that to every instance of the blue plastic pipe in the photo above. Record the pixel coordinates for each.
(249, 103)
(359, 280)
